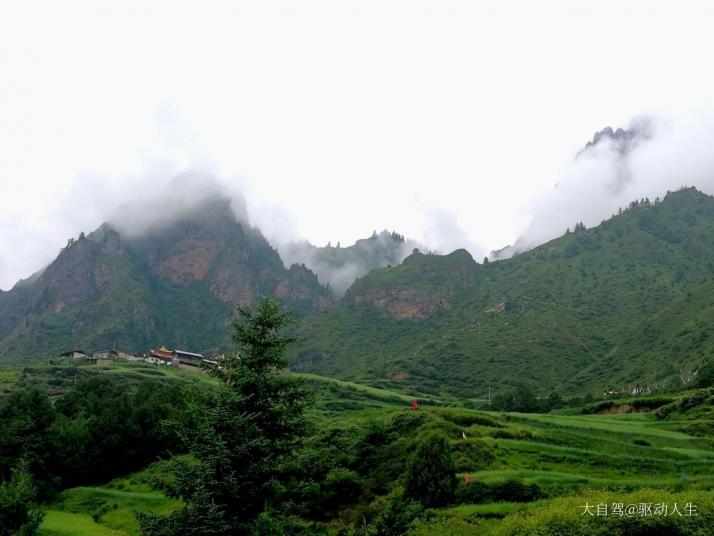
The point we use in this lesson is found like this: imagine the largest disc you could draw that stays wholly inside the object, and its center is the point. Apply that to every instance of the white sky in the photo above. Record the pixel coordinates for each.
(334, 118)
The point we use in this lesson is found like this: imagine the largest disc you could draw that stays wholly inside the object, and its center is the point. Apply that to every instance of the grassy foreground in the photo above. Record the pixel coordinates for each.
(564, 461)
(109, 509)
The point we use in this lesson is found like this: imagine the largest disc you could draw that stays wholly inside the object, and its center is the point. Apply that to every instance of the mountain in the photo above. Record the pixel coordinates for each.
(611, 151)
(621, 140)
(624, 306)
(339, 267)
(621, 305)
(175, 285)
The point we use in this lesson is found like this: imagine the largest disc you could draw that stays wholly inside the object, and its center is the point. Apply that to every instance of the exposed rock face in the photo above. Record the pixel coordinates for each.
(234, 286)
(299, 285)
(189, 261)
(405, 303)
(75, 276)
(176, 284)
(440, 279)
(622, 140)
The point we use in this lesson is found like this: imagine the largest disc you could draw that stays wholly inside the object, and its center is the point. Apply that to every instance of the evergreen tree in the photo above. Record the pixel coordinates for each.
(243, 436)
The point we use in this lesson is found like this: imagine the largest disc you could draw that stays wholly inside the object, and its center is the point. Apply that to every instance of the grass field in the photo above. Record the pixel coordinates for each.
(108, 509)
(566, 456)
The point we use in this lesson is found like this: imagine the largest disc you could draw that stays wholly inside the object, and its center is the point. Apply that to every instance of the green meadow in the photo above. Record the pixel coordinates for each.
(515, 470)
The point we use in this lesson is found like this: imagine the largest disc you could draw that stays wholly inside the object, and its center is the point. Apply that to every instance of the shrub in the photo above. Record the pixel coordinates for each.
(515, 490)
(664, 411)
(472, 455)
(342, 487)
(705, 375)
(431, 473)
(473, 492)
(468, 419)
(694, 399)
(19, 512)
(510, 490)
(565, 516)
(396, 516)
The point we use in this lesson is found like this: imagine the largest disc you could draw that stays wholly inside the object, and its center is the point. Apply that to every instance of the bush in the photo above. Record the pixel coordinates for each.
(396, 516)
(472, 455)
(473, 492)
(695, 399)
(705, 375)
(468, 419)
(510, 490)
(342, 487)
(19, 513)
(431, 473)
(664, 411)
(564, 516)
(515, 490)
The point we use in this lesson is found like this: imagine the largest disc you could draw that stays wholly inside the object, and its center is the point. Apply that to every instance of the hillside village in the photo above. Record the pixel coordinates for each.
(157, 356)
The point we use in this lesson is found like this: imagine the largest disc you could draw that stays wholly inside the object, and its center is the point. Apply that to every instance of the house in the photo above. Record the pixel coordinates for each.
(75, 354)
(162, 354)
(106, 355)
(156, 360)
(175, 358)
(188, 358)
(129, 357)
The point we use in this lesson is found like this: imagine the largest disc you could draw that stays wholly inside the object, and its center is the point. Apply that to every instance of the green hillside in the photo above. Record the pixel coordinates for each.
(623, 307)
(514, 469)
(513, 473)
(572, 315)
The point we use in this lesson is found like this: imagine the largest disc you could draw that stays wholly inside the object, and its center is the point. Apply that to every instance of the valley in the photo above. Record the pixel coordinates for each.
(511, 467)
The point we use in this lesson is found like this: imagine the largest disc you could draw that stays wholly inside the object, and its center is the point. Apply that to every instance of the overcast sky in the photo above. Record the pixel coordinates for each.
(446, 121)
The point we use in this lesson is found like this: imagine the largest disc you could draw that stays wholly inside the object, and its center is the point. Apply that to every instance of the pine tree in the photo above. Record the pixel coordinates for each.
(242, 435)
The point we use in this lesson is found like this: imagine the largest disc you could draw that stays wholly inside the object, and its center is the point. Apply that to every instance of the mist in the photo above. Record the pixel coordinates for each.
(162, 206)
(340, 266)
(652, 156)
(649, 157)
(441, 126)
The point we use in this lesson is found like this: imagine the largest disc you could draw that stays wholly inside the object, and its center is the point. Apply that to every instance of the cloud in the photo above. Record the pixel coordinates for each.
(443, 234)
(461, 108)
(339, 266)
(652, 156)
(160, 206)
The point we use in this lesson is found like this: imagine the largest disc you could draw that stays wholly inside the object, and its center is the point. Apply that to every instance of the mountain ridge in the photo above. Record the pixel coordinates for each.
(175, 284)
(544, 317)
(569, 315)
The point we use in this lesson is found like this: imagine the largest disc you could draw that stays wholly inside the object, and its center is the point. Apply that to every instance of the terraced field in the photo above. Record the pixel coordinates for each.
(603, 452)
(511, 466)
(105, 510)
